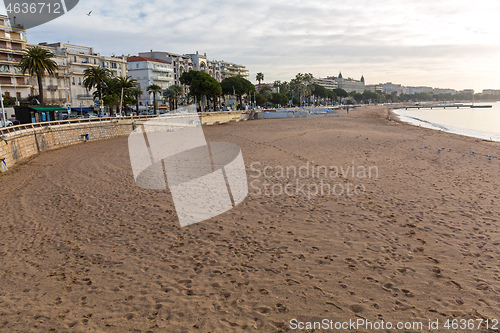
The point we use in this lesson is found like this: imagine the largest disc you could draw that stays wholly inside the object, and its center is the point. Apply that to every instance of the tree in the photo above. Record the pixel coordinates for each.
(125, 84)
(173, 93)
(201, 85)
(259, 77)
(238, 86)
(370, 96)
(260, 99)
(96, 77)
(340, 93)
(279, 99)
(358, 97)
(111, 93)
(298, 87)
(38, 61)
(154, 89)
(8, 101)
(136, 92)
(169, 94)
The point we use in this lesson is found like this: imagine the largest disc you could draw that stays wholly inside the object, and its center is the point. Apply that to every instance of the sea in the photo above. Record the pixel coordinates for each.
(483, 123)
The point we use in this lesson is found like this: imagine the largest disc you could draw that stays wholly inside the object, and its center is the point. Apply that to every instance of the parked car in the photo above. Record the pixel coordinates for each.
(8, 123)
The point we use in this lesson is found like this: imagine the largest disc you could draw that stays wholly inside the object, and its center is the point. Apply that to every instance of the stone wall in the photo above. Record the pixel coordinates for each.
(21, 142)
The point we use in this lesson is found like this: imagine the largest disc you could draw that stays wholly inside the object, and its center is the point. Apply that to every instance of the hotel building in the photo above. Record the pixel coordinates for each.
(148, 71)
(12, 47)
(329, 84)
(219, 70)
(349, 84)
(66, 86)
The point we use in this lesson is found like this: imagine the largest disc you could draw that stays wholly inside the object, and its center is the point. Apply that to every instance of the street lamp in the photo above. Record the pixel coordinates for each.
(4, 117)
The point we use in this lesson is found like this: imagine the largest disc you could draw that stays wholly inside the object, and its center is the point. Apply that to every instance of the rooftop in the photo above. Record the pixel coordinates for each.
(138, 59)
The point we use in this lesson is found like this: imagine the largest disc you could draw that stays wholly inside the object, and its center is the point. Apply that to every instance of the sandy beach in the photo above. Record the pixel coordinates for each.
(83, 249)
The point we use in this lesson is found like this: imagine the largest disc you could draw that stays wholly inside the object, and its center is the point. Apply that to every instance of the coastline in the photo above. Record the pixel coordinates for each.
(83, 248)
(414, 121)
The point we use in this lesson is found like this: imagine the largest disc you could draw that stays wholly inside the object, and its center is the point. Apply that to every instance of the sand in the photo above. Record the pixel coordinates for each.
(82, 249)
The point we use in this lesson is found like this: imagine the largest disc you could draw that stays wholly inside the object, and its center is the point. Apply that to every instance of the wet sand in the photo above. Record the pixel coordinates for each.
(83, 249)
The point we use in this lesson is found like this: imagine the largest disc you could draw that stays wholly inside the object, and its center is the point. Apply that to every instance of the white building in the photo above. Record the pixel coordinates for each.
(329, 84)
(420, 90)
(441, 91)
(229, 69)
(219, 70)
(390, 88)
(491, 91)
(148, 71)
(66, 86)
(349, 84)
(374, 88)
(180, 63)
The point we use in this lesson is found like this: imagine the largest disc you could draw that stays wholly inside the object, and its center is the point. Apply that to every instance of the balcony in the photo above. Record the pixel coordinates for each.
(52, 87)
(163, 78)
(164, 70)
(85, 96)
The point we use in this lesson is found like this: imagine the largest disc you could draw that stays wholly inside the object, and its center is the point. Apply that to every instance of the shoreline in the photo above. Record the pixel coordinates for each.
(436, 127)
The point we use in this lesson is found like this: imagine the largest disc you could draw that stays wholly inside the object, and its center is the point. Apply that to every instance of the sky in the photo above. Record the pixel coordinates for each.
(446, 43)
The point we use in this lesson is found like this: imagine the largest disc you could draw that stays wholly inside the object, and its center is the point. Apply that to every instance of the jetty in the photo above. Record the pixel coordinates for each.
(444, 106)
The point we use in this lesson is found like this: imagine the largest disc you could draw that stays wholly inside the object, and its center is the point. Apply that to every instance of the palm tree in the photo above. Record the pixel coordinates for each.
(125, 84)
(136, 92)
(154, 89)
(111, 93)
(96, 77)
(169, 95)
(37, 61)
(259, 77)
(173, 93)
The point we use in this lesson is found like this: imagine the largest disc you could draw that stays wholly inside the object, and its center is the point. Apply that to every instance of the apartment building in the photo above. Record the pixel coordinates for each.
(374, 88)
(201, 63)
(219, 70)
(66, 86)
(329, 84)
(148, 71)
(12, 47)
(180, 63)
(117, 65)
(390, 88)
(420, 90)
(228, 69)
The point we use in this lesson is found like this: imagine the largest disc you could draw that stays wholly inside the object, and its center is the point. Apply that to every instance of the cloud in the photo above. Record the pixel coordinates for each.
(443, 42)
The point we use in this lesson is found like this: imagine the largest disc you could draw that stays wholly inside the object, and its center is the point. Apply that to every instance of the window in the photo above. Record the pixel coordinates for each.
(79, 81)
(74, 82)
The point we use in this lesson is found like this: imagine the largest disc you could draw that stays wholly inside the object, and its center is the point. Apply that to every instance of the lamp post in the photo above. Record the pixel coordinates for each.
(121, 103)
(4, 119)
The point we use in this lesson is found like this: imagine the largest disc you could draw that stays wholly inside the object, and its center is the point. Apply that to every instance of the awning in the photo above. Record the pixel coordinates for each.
(48, 109)
(83, 110)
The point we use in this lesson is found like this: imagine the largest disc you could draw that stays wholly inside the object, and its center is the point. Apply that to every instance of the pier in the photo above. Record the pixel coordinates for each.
(444, 106)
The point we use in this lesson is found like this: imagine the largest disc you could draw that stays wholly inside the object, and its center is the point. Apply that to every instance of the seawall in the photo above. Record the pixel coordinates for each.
(21, 142)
